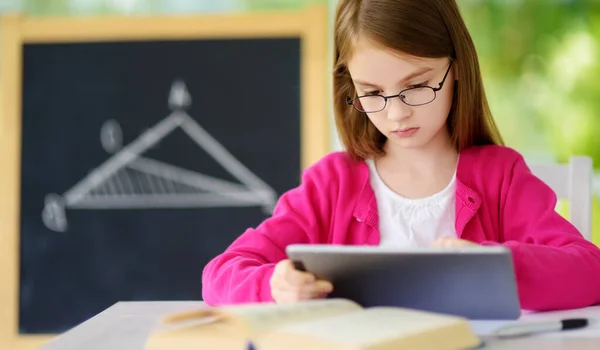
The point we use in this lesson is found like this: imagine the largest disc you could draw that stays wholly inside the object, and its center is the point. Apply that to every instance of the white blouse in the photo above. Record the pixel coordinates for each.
(405, 222)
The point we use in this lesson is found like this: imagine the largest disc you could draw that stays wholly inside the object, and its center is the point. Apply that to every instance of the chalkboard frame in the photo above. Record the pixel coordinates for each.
(309, 25)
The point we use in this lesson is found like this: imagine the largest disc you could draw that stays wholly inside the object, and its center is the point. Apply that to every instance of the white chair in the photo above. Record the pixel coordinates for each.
(572, 181)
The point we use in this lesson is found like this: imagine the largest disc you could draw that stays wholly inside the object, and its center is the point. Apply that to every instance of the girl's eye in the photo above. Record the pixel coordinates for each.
(372, 93)
(415, 86)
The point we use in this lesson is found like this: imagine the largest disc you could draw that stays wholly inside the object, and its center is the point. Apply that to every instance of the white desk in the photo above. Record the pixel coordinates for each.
(126, 325)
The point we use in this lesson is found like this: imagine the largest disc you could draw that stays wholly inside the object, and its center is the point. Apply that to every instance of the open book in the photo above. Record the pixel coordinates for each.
(317, 324)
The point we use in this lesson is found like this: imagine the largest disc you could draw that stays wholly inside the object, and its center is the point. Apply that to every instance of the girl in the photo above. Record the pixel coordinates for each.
(423, 165)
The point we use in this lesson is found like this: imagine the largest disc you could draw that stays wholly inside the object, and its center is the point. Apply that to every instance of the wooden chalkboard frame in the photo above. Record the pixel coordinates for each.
(309, 25)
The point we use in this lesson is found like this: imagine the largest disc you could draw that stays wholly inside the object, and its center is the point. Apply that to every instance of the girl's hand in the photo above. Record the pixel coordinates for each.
(289, 284)
(449, 242)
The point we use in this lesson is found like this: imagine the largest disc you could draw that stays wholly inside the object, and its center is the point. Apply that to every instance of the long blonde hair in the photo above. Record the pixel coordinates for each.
(422, 28)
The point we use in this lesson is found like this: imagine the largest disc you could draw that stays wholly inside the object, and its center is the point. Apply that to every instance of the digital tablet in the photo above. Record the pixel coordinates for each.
(472, 282)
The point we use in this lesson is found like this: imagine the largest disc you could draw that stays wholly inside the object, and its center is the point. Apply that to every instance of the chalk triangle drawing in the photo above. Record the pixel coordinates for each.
(128, 180)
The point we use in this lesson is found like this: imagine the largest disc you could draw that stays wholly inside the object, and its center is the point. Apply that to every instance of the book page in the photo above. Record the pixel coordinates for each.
(267, 316)
(374, 326)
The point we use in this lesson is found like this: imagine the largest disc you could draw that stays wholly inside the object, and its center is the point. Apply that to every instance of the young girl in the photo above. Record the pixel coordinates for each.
(423, 166)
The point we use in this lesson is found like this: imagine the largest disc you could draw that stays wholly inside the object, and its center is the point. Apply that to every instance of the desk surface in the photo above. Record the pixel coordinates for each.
(126, 325)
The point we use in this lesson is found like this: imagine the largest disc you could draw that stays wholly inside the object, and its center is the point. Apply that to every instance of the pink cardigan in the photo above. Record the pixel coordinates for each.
(498, 201)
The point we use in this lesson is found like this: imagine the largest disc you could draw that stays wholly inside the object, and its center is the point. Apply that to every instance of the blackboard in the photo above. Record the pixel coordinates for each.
(142, 159)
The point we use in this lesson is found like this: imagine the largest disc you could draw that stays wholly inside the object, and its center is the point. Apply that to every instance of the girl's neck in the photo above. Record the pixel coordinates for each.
(439, 152)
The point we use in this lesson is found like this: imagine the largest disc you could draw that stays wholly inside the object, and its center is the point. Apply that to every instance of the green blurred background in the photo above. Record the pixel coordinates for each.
(540, 61)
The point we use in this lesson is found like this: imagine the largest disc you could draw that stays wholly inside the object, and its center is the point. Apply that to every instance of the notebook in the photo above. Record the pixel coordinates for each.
(316, 324)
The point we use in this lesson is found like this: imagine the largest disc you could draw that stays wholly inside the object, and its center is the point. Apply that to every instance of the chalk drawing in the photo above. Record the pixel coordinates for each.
(129, 180)
(111, 136)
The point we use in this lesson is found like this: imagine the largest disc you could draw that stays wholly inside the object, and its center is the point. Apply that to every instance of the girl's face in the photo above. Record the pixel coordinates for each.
(379, 71)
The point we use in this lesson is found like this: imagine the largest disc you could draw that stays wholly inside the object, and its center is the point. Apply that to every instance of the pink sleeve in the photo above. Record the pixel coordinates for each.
(241, 273)
(556, 267)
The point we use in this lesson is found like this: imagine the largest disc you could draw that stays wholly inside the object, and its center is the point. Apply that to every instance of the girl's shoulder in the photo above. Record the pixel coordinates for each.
(490, 156)
(335, 178)
(490, 163)
(497, 153)
(337, 166)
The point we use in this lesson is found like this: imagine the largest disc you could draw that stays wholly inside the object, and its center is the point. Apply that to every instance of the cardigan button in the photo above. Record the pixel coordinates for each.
(471, 200)
(358, 219)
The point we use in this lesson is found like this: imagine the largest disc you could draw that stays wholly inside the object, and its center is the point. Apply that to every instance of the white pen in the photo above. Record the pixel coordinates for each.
(522, 329)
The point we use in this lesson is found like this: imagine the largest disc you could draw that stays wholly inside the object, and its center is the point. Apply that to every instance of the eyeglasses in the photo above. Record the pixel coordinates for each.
(415, 96)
